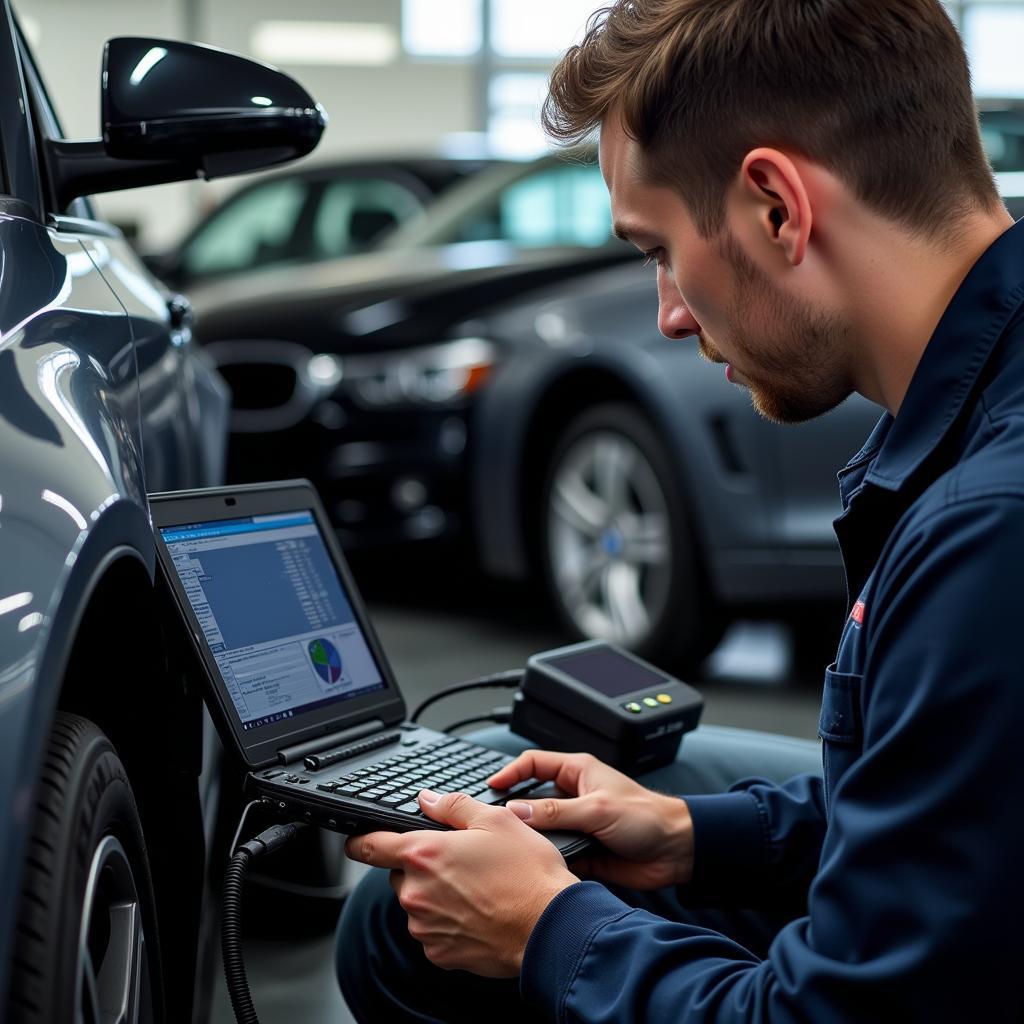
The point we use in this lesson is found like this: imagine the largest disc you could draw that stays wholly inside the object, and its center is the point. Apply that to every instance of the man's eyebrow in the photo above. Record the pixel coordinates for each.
(630, 232)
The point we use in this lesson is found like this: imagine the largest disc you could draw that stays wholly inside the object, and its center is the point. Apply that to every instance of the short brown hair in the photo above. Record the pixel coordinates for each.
(877, 91)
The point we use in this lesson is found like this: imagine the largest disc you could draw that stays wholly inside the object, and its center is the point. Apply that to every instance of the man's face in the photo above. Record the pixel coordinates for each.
(792, 355)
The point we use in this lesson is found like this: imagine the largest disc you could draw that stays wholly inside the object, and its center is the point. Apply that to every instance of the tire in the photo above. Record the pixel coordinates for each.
(85, 946)
(617, 545)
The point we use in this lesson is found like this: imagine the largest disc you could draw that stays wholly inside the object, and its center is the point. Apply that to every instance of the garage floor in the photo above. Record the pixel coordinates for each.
(438, 636)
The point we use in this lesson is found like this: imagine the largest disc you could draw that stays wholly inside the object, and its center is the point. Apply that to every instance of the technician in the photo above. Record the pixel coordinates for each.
(809, 179)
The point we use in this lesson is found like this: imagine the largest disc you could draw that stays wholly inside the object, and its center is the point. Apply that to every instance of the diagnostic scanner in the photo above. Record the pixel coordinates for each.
(599, 698)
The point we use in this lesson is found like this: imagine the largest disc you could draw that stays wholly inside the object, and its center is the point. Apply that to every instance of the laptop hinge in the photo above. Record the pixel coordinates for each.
(334, 739)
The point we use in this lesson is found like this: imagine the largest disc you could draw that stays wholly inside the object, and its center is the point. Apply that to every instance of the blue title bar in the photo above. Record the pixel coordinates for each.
(204, 531)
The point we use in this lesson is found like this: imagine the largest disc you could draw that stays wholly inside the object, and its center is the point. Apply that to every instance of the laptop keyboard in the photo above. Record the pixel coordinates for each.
(445, 766)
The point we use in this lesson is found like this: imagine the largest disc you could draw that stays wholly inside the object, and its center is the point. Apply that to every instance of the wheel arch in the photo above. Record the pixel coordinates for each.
(106, 611)
(509, 544)
(566, 397)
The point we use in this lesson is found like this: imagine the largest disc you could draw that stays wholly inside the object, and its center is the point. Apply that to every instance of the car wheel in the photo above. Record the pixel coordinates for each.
(85, 947)
(619, 555)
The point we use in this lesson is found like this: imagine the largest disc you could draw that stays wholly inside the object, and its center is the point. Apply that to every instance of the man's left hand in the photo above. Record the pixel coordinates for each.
(473, 895)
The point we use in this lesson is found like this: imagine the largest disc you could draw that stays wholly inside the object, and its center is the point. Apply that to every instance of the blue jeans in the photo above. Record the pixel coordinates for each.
(385, 977)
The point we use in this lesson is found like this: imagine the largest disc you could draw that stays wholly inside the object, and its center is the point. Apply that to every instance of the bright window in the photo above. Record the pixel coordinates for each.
(992, 34)
(538, 28)
(515, 100)
(442, 28)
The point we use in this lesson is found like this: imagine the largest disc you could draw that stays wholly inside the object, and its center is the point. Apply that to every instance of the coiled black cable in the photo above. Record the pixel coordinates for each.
(231, 914)
(231, 939)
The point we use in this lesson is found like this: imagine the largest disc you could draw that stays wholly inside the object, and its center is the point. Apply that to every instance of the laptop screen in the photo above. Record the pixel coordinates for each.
(274, 614)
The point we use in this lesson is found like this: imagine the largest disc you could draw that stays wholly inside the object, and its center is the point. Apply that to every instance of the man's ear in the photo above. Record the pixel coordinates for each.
(777, 196)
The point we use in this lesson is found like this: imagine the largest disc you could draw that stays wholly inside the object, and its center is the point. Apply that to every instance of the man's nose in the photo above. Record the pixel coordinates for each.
(675, 320)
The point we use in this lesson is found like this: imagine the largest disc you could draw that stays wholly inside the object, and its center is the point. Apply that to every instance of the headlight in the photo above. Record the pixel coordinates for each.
(431, 375)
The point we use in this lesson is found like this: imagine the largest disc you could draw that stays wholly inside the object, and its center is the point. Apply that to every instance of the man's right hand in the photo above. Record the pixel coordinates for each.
(647, 836)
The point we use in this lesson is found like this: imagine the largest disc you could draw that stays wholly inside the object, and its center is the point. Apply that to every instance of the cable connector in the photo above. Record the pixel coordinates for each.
(271, 839)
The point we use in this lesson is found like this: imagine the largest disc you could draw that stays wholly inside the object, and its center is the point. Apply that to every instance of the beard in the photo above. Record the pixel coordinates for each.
(794, 357)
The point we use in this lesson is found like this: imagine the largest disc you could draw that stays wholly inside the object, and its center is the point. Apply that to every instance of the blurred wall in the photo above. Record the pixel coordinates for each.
(404, 106)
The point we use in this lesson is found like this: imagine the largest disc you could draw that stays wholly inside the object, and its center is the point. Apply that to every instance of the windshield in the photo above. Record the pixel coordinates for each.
(554, 201)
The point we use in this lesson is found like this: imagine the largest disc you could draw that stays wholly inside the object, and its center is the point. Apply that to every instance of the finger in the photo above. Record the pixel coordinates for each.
(378, 849)
(546, 765)
(578, 814)
(456, 809)
(395, 880)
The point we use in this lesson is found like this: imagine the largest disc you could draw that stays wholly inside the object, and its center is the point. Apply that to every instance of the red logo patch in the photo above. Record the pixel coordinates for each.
(858, 613)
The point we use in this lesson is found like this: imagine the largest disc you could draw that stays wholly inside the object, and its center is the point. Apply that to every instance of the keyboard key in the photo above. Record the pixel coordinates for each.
(391, 800)
(371, 794)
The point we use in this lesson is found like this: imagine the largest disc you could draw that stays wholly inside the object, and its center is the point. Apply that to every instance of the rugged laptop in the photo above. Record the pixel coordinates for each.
(298, 684)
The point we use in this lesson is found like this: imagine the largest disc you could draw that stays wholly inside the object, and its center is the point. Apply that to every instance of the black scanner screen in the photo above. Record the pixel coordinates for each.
(608, 672)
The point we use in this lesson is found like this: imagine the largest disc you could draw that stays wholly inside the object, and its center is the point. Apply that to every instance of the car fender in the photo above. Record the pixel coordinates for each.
(72, 502)
(500, 470)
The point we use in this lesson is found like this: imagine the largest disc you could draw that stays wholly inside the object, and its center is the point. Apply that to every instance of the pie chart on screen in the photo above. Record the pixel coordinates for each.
(326, 660)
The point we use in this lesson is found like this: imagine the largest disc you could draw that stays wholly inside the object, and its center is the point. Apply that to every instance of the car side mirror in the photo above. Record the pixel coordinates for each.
(172, 111)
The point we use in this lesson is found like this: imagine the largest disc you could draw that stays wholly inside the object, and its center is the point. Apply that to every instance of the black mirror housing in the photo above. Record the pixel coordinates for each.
(172, 111)
(166, 100)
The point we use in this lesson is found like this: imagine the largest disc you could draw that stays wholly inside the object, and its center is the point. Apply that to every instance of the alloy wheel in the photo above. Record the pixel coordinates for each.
(609, 538)
(112, 983)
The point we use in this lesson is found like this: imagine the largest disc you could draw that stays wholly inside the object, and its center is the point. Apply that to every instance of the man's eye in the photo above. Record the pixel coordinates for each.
(654, 256)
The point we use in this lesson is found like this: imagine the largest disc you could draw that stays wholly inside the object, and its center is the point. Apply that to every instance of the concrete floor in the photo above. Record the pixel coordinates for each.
(435, 636)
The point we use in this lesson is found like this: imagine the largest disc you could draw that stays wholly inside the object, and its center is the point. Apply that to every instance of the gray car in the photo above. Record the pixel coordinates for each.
(103, 396)
(640, 486)
(644, 488)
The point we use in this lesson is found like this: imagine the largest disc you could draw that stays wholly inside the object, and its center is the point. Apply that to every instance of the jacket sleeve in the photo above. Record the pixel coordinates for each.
(757, 845)
(913, 912)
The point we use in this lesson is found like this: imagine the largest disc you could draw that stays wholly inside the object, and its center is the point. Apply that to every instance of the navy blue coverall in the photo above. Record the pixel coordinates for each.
(901, 872)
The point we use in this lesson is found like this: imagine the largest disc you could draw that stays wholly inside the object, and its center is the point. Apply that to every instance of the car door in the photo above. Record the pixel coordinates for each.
(182, 403)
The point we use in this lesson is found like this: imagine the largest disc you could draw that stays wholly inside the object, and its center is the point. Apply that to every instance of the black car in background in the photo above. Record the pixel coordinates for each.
(350, 372)
(316, 212)
(486, 376)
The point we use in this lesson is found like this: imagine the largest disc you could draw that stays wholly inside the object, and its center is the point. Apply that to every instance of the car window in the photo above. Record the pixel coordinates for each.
(254, 230)
(564, 204)
(354, 213)
(1002, 133)
(46, 125)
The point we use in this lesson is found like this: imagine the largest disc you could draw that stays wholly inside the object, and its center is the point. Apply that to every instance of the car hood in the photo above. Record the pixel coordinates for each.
(384, 299)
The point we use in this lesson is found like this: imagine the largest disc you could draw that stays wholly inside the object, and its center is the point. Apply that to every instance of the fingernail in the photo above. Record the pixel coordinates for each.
(428, 796)
(520, 809)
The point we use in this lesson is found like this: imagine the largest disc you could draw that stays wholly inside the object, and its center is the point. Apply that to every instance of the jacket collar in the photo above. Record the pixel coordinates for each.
(950, 367)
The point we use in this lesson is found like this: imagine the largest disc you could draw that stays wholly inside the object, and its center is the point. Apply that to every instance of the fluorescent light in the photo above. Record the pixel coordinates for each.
(325, 42)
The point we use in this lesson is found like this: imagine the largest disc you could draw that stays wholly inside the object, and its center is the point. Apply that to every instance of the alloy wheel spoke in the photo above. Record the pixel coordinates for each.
(623, 601)
(645, 539)
(578, 506)
(613, 466)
